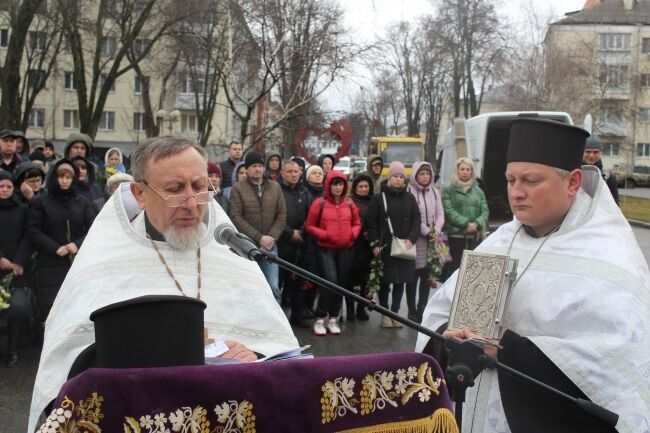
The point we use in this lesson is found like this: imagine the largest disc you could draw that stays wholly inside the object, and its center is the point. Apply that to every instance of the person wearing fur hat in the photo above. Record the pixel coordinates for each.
(214, 175)
(466, 213)
(256, 207)
(15, 253)
(113, 182)
(432, 218)
(28, 181)
(396, 203)
(58, 222)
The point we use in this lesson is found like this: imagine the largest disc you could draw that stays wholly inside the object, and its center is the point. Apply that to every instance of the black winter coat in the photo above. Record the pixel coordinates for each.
(14, 245)
(405, 217)
(50, 215)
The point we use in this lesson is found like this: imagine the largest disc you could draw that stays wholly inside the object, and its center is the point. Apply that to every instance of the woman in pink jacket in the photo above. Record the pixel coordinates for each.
(432, 217)
(333, 220)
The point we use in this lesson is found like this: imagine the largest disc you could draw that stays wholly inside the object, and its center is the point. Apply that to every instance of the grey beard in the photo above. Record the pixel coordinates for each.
(185, 242)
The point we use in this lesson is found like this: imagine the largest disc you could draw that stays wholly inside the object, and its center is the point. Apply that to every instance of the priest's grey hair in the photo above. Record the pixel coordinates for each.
(157, 148)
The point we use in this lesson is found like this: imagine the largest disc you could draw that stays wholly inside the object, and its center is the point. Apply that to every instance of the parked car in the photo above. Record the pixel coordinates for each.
(639, 175)
(345, 166)
(358, 166)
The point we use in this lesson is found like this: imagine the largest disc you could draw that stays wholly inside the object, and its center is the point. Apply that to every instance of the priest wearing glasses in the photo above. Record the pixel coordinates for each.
(166, 249)
(579, 313)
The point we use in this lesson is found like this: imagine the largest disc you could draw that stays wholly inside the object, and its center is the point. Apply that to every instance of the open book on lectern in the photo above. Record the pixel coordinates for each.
(482, 293)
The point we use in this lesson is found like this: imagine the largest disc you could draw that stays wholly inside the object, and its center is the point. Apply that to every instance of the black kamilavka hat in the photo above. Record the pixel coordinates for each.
(150, 331)
(546, 142)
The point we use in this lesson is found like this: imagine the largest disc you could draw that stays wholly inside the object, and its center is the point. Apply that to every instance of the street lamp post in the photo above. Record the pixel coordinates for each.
(171, 117)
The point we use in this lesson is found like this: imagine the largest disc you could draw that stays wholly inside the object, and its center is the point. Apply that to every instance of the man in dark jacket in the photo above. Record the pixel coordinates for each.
(593, 156)
(10, 157)
(258, 210)
(290, 244)
(374, 167)
(234, 156)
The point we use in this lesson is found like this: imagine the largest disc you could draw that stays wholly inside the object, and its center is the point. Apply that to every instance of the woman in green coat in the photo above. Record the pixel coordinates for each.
(466, 213)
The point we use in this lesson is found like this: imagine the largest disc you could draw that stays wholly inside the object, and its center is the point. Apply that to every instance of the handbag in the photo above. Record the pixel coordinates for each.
(21, 303)
(397, 246)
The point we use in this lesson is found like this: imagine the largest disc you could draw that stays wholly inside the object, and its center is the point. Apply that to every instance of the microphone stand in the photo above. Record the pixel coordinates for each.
(467, 358)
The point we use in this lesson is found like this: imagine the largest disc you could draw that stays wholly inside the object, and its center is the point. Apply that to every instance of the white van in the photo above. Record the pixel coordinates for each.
(484, 139)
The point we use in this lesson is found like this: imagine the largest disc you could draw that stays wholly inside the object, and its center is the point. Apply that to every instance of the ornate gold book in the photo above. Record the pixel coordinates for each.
(482, 293)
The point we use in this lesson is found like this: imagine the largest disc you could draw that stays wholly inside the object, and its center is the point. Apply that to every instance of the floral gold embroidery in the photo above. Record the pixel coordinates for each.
(336, 399)
(378, 389)
(88, 415)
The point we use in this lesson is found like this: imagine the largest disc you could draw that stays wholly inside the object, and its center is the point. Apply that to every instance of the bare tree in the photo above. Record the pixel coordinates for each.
(302, 48)
(470, 32)
(120, 27)
(20, 15)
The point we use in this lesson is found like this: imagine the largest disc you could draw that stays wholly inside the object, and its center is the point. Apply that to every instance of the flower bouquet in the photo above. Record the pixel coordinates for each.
(376, 272)
(5, 284)
(110, 171)
(437, 254)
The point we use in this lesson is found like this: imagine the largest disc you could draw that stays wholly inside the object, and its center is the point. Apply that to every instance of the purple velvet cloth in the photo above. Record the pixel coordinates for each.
(295, 395)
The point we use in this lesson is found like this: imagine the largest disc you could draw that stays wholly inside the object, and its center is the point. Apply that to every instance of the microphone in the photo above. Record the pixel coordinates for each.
(238, 242)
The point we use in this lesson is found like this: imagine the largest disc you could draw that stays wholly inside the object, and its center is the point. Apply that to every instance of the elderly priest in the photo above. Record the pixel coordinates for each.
(579, 314)
(168, 249)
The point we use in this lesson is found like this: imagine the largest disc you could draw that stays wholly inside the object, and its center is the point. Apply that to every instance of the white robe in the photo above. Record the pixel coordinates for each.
(584, 301)
(117, 262)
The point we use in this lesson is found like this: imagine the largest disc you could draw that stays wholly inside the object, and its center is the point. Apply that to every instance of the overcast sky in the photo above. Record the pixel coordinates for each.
(368, 19)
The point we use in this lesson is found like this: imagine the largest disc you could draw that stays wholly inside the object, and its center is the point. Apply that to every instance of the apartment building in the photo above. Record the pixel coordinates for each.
(56, 112)
(599, 64)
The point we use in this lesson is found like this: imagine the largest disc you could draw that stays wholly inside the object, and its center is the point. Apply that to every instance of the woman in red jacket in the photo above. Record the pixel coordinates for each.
(334, 222)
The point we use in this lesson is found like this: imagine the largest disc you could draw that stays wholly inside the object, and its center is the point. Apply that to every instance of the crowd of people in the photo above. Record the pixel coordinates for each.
(311, 216)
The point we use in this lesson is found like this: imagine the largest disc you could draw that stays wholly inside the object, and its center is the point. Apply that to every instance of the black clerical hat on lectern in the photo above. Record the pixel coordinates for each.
(149, 331)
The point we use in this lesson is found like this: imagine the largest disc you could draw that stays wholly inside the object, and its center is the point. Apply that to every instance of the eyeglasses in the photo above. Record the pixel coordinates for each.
(173, 200)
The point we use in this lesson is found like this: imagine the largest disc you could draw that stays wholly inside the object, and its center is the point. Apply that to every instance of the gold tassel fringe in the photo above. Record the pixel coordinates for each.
(442, 421)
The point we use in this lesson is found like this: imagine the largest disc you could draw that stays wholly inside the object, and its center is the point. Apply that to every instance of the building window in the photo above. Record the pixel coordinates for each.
(644, 80)
(611, 149)
(643, 149)
(68, 80)
(102, 80)
(611, 114)
(35, 78)
(614, 76)
(644, 114)
(645, 45)
(4, 38)
(71, 119)
(107, 121)
(187, 85)
(36, 118)
(140, 45)
(109, 8)
(138, 121)
(140, 83)
(37, 41)
(109, 45)
(614, 41)
(188, 122)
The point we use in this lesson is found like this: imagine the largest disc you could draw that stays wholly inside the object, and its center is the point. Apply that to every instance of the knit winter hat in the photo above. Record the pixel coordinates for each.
(396, 167)
(593, 142)
(313, 168)
(65, 167)
(5, 175)
(214, 169)
(253, 158)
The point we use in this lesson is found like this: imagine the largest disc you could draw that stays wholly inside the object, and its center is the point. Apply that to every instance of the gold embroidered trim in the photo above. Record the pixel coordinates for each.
(378, 389)
(88, 411)
(232, 417)
(442, 421)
